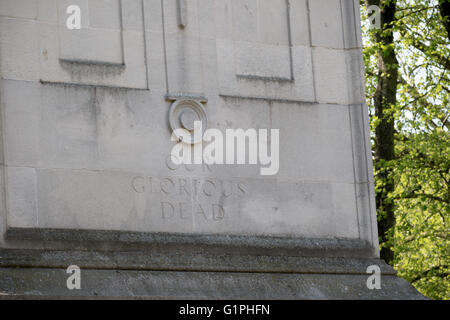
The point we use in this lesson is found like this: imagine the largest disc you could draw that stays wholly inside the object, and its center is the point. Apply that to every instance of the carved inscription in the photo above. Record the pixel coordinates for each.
(186, 197)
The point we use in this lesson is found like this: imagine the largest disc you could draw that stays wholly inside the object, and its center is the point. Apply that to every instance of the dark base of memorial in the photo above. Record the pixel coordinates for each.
(160, 266)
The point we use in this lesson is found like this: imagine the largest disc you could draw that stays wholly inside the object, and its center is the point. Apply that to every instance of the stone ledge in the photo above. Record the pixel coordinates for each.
(181, 260)
(261, 245)
(23, 283)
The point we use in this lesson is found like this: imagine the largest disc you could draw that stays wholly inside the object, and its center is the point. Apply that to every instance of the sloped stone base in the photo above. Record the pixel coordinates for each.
(31, 274)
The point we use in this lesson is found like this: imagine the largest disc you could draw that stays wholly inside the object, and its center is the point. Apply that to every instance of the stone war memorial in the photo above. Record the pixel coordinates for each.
(100, 105)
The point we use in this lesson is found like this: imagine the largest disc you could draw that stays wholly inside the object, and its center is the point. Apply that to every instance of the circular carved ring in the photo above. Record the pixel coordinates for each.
(182, 116)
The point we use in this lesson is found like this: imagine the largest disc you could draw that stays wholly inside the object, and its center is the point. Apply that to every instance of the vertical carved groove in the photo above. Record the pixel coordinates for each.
(291, 55)
(182, 13)
(165, 46)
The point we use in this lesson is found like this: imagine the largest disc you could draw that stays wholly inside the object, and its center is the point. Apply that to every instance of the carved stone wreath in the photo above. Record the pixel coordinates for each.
(182, 115)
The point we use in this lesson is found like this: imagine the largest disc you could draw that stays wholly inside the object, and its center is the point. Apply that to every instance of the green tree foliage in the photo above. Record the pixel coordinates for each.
(414, 181)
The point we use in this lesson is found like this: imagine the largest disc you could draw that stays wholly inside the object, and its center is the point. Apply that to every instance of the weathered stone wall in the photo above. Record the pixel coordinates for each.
(85, 116)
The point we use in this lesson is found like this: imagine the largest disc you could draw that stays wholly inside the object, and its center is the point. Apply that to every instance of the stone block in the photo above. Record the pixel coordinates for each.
(21, 197)
(326, 24)
(27, 9)
(299, 20)
(79, 47)
(331, 77)
(20, 49)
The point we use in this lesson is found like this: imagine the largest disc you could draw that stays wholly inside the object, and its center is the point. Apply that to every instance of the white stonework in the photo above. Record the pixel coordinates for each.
(85, 117)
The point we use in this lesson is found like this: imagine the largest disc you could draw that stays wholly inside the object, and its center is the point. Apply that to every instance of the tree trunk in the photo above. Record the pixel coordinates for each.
(444, 9)
(384, 99)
